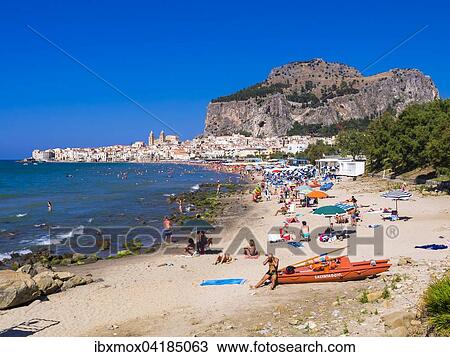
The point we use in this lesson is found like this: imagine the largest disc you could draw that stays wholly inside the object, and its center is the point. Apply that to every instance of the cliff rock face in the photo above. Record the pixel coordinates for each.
(315, 92)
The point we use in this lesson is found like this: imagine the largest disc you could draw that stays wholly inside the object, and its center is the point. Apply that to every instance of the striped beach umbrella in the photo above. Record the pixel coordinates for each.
(397, 195)
(345, 206)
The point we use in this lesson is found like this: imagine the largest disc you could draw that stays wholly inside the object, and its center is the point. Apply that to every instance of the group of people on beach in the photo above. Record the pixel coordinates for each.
(280, 185)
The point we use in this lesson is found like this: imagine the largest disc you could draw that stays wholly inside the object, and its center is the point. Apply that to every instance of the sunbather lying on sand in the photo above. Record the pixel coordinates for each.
(282, 210)
(224, 259)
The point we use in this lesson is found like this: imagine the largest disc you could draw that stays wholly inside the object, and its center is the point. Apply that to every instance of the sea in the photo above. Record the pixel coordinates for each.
(87, 195)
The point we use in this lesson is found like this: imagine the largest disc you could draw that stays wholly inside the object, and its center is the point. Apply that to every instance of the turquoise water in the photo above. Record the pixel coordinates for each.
(87, 194)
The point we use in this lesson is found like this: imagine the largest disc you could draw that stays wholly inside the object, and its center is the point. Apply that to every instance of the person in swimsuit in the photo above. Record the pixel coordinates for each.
(305, 231)
(190, 248)
(251, 250)
(167, 230)
(271, 274)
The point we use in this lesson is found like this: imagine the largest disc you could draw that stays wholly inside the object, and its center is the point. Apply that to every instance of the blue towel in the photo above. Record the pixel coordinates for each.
(296, 244)
(432, 246)
(223, 282)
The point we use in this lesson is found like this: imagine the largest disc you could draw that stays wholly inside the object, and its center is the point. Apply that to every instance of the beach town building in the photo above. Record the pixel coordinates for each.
(170, 147)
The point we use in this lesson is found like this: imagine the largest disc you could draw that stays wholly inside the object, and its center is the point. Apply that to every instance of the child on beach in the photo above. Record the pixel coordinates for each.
(190, 248)
(305, 231)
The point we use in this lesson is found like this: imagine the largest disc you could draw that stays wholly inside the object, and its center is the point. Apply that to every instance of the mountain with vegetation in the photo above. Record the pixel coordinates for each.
(318, 98)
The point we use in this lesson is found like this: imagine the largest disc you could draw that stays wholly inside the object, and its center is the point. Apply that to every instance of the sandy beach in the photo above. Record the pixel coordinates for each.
(159, 295)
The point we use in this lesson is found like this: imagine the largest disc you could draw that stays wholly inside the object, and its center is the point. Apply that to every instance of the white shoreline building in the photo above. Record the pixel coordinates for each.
(169, 147)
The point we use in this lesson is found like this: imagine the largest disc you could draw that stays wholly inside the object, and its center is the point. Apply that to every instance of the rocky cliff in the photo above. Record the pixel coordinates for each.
(315, 92)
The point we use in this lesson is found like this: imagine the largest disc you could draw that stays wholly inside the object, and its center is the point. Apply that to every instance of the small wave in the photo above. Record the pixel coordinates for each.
(45, 240)
(62, 236)
(168, 194)
(41, 225)
(8, 255)
(195, 187)
(19, 215)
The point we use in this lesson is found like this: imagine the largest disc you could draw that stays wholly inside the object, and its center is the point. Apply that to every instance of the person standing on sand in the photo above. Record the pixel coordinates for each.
(271, 274)
(167, 230)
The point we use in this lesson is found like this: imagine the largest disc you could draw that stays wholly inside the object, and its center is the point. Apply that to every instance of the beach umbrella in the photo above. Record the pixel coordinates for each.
(329, 211)
(397, 195)
(198, 225)
(345, 206)
(327, 186)
(317, 194)
(303, 189)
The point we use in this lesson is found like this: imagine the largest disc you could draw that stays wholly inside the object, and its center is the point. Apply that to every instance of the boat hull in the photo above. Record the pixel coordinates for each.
(348, 272)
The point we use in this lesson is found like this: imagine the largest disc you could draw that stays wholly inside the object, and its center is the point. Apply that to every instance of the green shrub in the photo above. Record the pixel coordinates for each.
(386, 293)
(437, 304)
(363, 298)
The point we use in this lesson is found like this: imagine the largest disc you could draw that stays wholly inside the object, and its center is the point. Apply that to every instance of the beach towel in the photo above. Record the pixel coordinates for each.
(274, 237)
(296, 244)
(237, 281)
(432, 246)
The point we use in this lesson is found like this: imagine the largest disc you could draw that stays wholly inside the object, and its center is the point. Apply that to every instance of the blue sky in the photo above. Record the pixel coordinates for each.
(174, 56)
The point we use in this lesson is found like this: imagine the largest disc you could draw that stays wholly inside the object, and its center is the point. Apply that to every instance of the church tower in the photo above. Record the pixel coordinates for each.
(162, 137)
(151, 138)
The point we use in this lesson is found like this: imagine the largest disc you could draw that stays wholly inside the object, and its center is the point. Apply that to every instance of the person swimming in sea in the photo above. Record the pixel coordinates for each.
(49, 206)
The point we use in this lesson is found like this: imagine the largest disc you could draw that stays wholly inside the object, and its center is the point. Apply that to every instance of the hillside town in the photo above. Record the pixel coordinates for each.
(170, 147)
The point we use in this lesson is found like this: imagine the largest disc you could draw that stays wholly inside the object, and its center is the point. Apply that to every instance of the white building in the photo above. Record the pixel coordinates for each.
(341, 166)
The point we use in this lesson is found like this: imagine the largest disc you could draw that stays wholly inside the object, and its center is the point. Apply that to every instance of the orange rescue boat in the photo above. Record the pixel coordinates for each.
(332, 269)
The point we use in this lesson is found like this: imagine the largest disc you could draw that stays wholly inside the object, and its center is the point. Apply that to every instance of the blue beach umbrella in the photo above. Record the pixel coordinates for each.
(327, 186)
